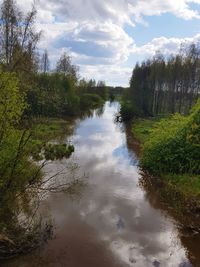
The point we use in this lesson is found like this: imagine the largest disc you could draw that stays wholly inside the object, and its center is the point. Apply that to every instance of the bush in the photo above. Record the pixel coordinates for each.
(174, 145)
(127, 111)
(90, 101)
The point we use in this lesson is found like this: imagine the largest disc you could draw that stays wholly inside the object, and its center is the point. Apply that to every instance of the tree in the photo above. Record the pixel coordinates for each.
(65, 66)
(165, 85)
(45, 64)
(12, 103)
(18, 38)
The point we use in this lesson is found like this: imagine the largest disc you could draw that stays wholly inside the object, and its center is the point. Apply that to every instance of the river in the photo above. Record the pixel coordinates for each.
(112, 223)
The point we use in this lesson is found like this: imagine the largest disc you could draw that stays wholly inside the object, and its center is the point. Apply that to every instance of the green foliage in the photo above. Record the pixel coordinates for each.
(16, 169)
(13, 159)
(52, 95)
(16, 172)
(142, 128)
(57, 94)
(174, 145)
(48, 129)
(127, 110)
(90, 101)
(12, 103)
(187, 184)
(43, 132)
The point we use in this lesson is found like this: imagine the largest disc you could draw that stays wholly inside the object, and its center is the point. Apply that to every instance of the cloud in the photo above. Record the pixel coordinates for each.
(179, 8)
(117, 11)
(114, 74)
(106, 41)
(93, 31)
(165, 45)
(90, 44)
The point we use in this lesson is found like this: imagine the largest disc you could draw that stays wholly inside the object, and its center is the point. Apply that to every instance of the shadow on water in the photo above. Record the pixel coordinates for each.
(115, 222)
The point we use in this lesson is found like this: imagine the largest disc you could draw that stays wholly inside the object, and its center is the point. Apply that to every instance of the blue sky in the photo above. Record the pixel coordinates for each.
(166, 25)
(107, 37)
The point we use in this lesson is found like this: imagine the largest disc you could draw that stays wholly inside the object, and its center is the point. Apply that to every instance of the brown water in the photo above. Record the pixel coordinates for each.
(114, 223)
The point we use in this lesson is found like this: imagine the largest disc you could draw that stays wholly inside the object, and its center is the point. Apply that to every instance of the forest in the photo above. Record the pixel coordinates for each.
(164, 85)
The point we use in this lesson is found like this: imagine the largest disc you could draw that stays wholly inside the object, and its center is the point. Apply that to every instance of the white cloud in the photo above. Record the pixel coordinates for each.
(93, 30)
(117, 11)
(90, 44)
(114, 74)
(179, 8)
(165, 45)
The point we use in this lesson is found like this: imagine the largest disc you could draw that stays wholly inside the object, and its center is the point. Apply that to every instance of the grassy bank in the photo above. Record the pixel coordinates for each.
(141, 128)
(21, 197)
(47, 129)
(180, 190)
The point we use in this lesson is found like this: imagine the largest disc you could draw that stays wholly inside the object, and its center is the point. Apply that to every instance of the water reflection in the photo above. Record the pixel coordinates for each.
(189, 239)
(113, 224)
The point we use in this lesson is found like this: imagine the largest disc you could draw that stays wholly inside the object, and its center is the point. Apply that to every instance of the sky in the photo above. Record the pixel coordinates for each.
(107, 37)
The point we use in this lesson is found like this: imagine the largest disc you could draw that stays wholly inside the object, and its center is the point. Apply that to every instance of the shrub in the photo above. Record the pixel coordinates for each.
(90, 101)
(174, 145)
(127, 111)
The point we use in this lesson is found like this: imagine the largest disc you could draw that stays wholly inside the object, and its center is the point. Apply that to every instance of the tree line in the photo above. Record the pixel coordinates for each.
(164, 85)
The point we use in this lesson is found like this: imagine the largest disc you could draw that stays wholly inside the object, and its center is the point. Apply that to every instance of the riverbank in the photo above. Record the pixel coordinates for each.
(41, 135)
(36, 143)
(47, 129)
(180, 192)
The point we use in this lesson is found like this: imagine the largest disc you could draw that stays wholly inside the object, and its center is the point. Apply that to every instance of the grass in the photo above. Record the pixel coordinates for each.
(187, 185)
(142, 128)
(43, 132)
(49, 129)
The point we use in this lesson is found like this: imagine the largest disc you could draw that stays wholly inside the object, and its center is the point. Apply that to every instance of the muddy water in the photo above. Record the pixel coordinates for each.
(113, 223)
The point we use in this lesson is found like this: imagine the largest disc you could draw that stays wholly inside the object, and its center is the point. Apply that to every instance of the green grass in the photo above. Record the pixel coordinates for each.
(142, 128)
(43, 131)
(186, 184)
(49, 129)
